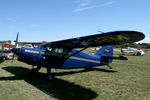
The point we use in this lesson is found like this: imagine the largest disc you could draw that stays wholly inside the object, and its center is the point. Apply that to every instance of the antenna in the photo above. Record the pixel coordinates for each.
(100, 31)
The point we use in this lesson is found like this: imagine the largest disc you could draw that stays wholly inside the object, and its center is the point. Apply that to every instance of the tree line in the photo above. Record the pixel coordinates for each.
(134, 45)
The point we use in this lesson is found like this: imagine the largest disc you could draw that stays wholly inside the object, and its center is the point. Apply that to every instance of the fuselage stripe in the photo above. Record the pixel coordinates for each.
(83, 59)
(31, 51)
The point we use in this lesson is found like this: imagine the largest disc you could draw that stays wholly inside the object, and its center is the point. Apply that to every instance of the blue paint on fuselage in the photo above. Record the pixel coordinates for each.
(33, 56)
(81, 60)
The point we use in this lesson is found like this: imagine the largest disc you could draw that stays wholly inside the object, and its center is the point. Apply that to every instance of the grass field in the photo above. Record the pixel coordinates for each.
(128, 80)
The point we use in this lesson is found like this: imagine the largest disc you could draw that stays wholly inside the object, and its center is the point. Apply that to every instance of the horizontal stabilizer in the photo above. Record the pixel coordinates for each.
(121, 57)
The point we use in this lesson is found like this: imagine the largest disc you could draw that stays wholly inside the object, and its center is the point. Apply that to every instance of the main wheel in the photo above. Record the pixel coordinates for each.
(50, 77)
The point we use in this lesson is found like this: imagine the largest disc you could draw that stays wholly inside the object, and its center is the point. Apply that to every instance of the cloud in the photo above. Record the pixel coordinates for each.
(108, 3)
(84, 5)
(83, 8)
(11, 20)
(87, 4)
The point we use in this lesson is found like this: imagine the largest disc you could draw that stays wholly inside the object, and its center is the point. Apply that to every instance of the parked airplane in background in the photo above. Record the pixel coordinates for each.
(132, 51)
(63, 55)
(5, 51)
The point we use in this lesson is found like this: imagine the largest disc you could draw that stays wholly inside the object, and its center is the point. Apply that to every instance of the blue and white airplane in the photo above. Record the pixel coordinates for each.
(63, 55)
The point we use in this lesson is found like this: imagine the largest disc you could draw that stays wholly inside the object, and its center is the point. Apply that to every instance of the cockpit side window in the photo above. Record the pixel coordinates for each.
(56, 49)
(60, 50)
(63, 51)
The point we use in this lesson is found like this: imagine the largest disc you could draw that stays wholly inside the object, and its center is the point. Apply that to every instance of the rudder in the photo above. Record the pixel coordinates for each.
(105, 51)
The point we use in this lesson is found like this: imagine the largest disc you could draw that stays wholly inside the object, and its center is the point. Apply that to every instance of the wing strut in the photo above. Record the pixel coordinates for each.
(78, 51)
(33, 46)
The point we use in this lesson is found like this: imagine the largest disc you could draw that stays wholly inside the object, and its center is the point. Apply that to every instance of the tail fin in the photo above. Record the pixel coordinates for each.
(106, 54)
(105, 51)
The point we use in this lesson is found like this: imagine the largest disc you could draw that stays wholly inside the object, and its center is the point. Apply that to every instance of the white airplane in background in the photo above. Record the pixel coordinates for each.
(133, 51)
(5, 51)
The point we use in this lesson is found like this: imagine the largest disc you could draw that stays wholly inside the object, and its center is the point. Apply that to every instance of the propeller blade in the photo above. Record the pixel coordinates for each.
(16, 43)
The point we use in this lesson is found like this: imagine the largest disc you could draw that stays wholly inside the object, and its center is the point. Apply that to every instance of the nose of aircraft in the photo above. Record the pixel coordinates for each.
(14, 50)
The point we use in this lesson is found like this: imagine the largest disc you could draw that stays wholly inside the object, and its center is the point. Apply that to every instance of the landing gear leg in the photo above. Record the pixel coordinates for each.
(109, 66)
(50, 76)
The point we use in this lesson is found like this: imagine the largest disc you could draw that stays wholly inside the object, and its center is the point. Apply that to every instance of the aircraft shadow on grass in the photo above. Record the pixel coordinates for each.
(85, 70)
(58, 88)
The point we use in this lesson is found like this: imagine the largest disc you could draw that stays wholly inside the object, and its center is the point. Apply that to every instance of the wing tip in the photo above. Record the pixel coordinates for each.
(135, 36)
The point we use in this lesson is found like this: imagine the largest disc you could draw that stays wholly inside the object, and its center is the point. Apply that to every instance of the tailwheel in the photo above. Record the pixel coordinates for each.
(110, 67)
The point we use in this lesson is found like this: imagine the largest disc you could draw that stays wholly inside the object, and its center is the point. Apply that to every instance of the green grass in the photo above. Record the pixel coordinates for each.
(128, 80)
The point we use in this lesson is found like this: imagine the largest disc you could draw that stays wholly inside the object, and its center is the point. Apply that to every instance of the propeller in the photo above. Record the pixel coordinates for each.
(15, 47)
(16, 42)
